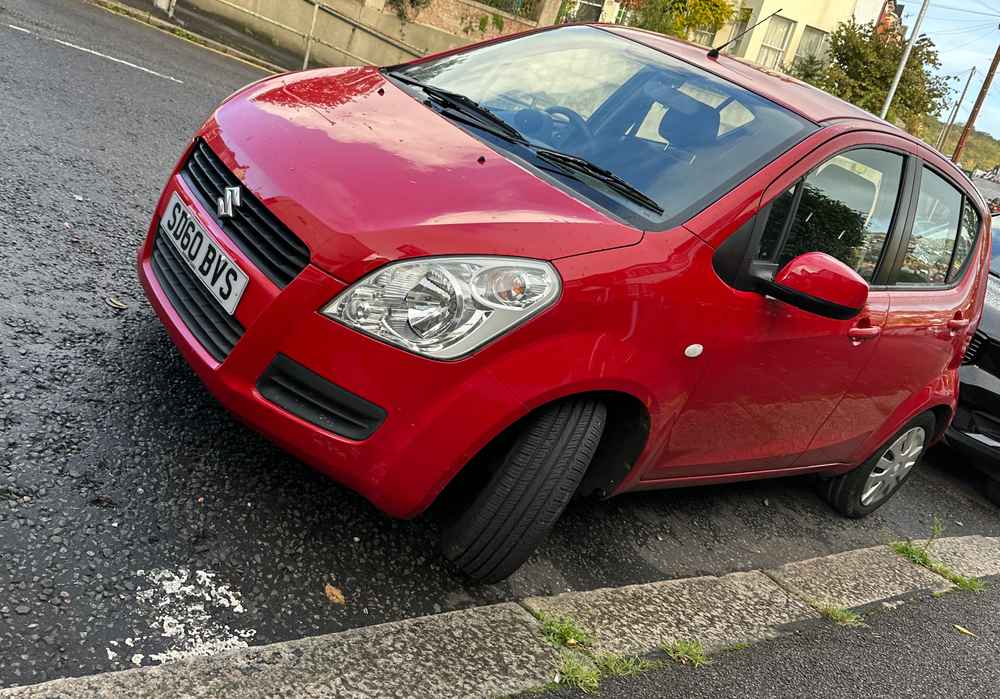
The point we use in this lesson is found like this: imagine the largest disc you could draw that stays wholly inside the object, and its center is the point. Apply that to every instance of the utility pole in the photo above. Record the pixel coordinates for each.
(975, 110)
(906, 57)
(954, 113)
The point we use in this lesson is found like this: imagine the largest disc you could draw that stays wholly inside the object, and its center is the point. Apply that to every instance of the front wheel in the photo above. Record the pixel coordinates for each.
(865, 489)
(528, 490)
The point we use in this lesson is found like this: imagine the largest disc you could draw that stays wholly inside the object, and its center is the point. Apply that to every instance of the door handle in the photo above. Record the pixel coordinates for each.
(861, 334)
(956, 324)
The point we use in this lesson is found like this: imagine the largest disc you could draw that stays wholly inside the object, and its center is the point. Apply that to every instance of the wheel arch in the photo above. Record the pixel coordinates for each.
(942, 418)
(626, 434)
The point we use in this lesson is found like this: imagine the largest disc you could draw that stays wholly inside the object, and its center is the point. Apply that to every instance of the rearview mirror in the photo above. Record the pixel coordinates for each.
(820, 284)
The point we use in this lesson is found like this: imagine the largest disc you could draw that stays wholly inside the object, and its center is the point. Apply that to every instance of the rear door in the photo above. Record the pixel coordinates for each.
(773, 373)
(932, 284)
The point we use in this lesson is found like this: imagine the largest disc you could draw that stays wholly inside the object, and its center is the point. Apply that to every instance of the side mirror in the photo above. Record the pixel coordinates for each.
(820, 284)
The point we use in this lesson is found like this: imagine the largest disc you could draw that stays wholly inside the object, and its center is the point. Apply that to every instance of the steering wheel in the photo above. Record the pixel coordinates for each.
(579, 130)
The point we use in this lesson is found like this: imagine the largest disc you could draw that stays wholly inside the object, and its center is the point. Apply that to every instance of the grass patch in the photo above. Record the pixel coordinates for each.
(563, 632)
(576, 671)
(839, 615)
(737, 646)
(921, 556)
(610, 665)
(686, 652)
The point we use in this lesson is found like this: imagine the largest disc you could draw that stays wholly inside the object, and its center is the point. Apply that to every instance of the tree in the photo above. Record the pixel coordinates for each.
(863, 63)
(810, 69)
(680, 17)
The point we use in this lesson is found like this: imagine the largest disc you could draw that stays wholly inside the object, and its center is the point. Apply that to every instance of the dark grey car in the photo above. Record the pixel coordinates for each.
(975, 431)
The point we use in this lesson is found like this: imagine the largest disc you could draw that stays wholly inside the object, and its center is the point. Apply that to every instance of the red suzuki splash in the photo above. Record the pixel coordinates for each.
(583, 260)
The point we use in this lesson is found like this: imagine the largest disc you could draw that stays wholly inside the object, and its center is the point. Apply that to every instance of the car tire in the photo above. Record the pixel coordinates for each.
(993, 490)
(863, 490)
(530, 487)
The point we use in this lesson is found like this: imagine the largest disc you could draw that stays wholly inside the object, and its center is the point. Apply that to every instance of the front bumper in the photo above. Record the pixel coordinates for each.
(975, 428)
(437, 414)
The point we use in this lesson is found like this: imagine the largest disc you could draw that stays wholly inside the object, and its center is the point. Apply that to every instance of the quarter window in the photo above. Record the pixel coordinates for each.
(935, 229)
(966, 240)
(845, 209)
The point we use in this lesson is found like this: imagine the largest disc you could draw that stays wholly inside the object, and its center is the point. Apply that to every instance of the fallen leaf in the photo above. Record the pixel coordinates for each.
(115, 303)
(964, 631)
(78, 197)
(570, 641)
(335, 595)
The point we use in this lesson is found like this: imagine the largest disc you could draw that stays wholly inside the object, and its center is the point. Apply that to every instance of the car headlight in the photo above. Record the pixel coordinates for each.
(446, 307)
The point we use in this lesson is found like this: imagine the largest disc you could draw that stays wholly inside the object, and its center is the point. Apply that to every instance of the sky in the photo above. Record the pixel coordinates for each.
(967, 33)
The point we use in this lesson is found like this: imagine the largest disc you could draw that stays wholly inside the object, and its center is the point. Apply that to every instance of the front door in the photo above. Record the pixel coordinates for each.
(774, 374)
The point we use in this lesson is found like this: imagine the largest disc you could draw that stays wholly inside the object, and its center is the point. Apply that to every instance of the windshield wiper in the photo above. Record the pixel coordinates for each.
(465, 104)
(574, 162)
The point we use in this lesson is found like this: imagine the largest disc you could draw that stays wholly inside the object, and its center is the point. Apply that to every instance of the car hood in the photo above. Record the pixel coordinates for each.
(365, 174)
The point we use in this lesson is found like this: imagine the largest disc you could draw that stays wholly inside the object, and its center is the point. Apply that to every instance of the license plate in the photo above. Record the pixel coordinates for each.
(199, 250)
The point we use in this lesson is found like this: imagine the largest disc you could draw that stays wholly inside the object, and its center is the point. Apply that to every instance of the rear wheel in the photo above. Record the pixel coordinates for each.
(865, 489)
(530, 486)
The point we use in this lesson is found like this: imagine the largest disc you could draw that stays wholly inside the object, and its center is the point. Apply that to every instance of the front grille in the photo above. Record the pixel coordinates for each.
(314, 399)
(274, 249)
(217, 331)
(975, 345)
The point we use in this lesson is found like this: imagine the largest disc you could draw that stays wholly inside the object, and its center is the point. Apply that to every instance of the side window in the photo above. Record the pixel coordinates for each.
(935, 229)
(967, 233)
(845, 209)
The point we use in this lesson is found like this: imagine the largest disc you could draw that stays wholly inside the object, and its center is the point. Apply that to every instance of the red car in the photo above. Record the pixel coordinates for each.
(584, 260)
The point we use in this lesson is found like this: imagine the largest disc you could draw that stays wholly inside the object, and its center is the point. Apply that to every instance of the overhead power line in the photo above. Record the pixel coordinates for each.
(971, 12)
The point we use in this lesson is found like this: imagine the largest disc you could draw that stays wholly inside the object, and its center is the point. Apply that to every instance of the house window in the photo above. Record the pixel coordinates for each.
(624, 15)
(703, 36)
(738, 48)
(588, 10)
(772, 50)
(814, 44)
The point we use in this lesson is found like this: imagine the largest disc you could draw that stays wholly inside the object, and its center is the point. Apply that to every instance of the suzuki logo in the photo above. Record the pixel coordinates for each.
(226, 203)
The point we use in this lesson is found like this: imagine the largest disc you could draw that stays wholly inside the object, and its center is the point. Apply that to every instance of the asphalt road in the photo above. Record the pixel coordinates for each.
(139, 521)
(914, 650)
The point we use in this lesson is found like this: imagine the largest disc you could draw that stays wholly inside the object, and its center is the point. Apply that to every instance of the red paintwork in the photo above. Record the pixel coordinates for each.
(824, 277)
(365, 175)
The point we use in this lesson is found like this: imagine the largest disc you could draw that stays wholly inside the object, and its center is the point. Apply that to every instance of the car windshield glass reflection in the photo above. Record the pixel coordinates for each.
(680, 135)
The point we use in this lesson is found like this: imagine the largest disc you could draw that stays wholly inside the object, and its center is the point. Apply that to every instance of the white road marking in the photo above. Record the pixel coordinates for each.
(98, 54)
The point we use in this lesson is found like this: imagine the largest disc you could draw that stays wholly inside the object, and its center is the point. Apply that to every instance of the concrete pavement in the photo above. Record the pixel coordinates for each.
(501, 650)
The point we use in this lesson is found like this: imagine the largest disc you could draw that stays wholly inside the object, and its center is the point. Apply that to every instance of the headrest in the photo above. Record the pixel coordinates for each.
(688, 122)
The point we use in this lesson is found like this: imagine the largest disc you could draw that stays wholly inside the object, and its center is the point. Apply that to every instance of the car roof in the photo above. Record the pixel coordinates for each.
(793, 94)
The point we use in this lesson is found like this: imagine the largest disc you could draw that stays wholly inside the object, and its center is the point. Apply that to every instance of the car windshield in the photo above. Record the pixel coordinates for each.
(678, 134)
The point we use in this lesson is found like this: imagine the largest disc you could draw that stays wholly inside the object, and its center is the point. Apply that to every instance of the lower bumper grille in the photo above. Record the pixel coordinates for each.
(217, 331)
(309, 396)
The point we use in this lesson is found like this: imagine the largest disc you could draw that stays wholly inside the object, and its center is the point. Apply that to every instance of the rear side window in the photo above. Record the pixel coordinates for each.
(845, 208)
(935, 230)
(967, 233)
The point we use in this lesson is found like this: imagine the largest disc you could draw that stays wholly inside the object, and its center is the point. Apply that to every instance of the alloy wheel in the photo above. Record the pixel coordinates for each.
(893, 466)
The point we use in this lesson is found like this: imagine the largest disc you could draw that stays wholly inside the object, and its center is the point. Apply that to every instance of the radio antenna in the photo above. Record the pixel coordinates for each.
(714, 53)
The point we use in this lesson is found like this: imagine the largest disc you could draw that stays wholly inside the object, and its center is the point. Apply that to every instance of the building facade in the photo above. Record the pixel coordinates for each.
(800, 28)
